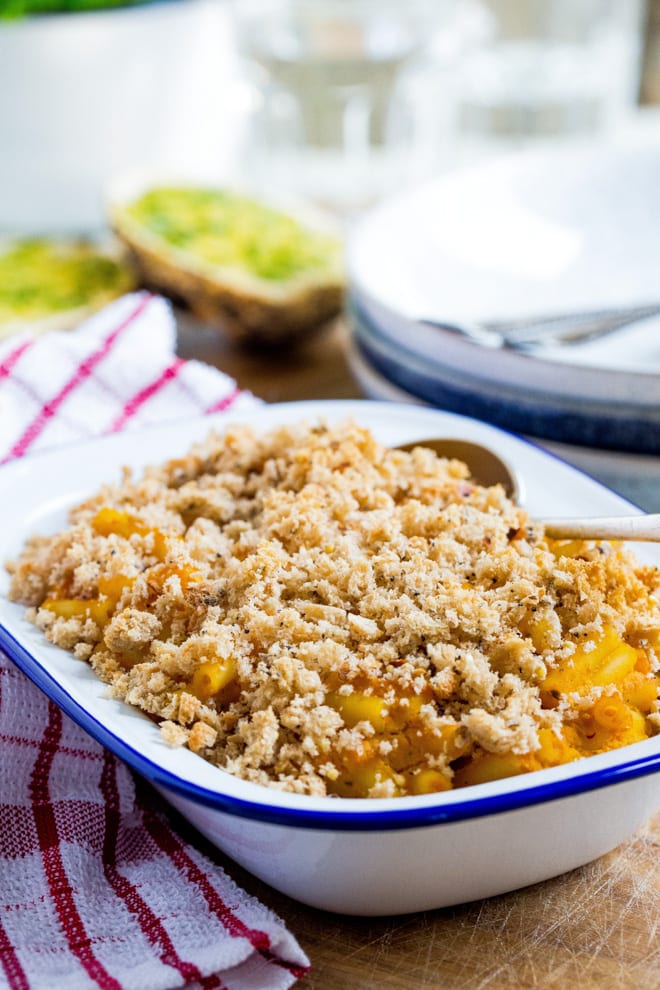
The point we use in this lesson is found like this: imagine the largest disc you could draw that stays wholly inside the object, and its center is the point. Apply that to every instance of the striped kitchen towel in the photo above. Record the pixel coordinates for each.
(97, 888)
(115, 372)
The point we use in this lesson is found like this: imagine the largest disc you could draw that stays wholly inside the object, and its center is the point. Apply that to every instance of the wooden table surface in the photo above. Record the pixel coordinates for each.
(317, 370)
(597, 928)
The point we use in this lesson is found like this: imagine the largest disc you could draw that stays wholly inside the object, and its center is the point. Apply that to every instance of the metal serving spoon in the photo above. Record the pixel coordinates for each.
(488, 468)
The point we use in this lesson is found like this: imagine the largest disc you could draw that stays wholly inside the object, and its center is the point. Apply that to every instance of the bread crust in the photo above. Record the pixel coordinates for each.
(247, 310)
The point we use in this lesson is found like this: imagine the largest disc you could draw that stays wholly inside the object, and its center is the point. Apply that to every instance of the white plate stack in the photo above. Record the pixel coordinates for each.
(536, 234)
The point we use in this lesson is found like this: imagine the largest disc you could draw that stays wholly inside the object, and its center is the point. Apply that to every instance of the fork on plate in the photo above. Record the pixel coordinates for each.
(527, 333)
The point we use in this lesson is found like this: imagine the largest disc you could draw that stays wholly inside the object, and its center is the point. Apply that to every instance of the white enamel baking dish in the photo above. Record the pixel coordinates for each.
(355, 856)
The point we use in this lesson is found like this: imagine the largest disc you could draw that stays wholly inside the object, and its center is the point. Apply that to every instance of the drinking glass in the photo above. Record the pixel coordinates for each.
(343, 93)
(548, 68)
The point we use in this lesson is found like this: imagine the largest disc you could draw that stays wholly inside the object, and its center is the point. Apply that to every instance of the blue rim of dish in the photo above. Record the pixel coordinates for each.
(335, 820)
(408, 371)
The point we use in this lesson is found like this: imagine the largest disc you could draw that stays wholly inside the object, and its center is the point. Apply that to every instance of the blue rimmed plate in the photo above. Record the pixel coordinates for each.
(543, 414)
(535, 233)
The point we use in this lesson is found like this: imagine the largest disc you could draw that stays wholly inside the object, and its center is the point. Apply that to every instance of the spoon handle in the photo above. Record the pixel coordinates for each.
(644, 528)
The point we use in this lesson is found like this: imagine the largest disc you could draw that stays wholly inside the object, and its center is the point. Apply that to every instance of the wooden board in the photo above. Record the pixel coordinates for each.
(314, 370)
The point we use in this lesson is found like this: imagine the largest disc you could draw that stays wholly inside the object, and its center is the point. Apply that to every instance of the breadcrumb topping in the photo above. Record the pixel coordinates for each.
(314, 612)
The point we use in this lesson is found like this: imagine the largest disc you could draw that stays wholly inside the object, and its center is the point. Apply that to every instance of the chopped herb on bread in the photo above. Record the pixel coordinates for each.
(53, 284)
(260, 273)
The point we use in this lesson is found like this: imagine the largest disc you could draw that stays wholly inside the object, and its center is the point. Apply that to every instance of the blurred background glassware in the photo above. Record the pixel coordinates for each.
(345, 97)
(85, 95)
(540, 69)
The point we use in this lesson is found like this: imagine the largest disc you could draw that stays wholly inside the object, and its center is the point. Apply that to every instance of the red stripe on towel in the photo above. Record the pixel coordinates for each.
(14, 357)
(59, 886)
(145, 394)
(9, 961)
(177, 852)
(225, 402)
(82, 372)
(168, 843)
(151, 926)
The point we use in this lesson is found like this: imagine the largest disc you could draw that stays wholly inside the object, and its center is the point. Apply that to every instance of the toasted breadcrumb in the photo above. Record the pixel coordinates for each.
(174, 735)
(314, 612)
